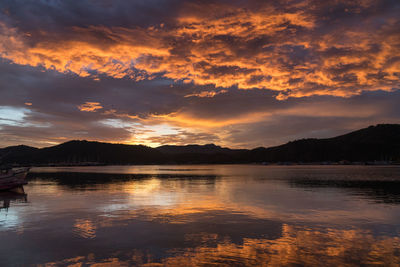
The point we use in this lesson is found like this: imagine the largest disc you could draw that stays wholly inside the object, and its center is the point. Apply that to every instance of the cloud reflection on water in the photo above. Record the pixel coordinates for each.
(247, 215)
(296, 246)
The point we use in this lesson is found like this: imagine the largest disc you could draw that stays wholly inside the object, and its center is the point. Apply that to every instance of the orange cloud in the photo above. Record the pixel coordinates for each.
(186, 119)
(90, 106)
(207, 94)
(287, 51)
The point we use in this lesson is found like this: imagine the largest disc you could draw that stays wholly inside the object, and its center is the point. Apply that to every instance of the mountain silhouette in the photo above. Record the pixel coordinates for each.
(375, 143)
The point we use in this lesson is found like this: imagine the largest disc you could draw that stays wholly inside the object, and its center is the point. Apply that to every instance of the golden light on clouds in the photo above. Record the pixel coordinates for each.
(207, 93)
(263, 48)
(211, 69)
(90, 106)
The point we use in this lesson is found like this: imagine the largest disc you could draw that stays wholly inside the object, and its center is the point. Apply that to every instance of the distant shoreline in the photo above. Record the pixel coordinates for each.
(375, 145)
(188, 164)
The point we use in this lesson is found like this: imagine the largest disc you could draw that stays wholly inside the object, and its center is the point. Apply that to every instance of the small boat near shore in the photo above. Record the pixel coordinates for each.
(13, 178)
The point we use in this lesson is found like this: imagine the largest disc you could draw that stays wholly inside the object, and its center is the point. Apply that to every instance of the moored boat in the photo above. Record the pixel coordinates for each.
(12, 178)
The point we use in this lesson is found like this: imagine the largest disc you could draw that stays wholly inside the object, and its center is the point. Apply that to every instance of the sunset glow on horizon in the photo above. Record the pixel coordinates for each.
(240, 74)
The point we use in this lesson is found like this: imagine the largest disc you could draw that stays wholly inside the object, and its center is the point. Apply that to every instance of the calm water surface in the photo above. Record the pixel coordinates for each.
(222, 215)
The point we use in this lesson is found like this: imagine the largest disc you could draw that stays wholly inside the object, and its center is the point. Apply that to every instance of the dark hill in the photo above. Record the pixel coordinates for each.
(375, 143)
(205, 149)
(87, 152)
(209, 153)
(16, 153)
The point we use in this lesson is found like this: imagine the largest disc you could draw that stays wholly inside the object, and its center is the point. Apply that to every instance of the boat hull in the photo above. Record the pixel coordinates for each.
(12, 184)
(13, 179)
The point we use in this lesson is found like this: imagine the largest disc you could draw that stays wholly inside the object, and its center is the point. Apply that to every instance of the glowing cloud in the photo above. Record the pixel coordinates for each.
(90, 106)
(207, 94)
(291, 50)
(236, 73)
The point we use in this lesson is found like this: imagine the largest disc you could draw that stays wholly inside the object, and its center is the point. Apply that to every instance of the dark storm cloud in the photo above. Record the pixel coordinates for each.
(55, 93)
(55, 15)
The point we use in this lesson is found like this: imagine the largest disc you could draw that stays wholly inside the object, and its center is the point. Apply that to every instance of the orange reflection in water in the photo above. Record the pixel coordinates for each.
(85, 228)
(297, 246)
(210, 219)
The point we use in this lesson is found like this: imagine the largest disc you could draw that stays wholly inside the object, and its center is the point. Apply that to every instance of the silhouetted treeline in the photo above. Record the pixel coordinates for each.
(375, 143)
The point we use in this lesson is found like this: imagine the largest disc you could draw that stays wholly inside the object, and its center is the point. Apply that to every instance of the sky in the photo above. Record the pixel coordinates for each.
(236, 73)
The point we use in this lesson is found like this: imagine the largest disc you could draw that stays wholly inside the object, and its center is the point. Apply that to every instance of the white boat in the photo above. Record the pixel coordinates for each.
(12, 178)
